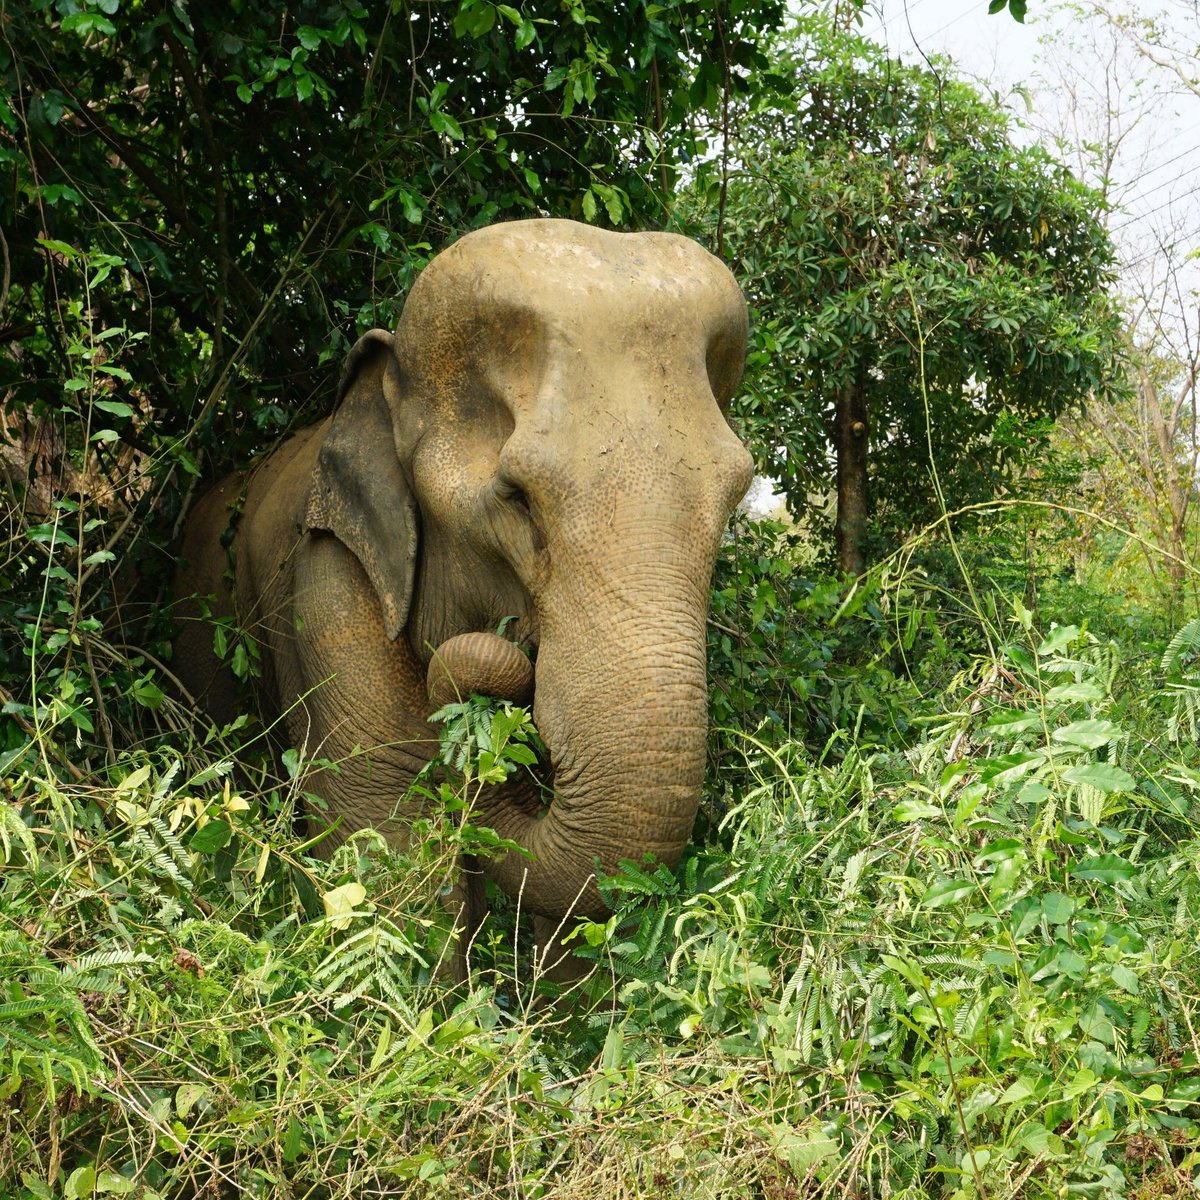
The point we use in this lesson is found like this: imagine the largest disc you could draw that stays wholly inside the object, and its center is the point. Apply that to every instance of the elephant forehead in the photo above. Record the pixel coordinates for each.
(571, 277)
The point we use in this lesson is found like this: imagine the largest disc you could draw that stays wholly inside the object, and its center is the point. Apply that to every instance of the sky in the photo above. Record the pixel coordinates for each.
(984, 45)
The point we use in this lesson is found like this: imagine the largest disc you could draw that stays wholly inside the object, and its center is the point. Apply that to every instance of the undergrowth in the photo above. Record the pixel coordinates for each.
(960, 964)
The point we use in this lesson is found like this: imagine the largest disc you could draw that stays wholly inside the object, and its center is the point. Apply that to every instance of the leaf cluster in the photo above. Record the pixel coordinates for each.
(891, 237)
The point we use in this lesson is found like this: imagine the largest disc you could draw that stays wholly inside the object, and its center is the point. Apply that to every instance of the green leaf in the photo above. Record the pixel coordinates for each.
(1020, 1089)
(37, 1187)
(1025, 915)
(1057, 908)
(1103, 777)
(211, 838)
(445, 124)
(67, 251)
(1091, 735)
(1104, 868)
(85, 23)
(1074, 691)
(116, 407)
(947, 891)
(147, 693)
(1008, 767)
(916, 810)
(80, 1183)
(293, 1142)
(1013, 720)
(1059, 638)
(187, 1095)
(1125, 979)
(309, 37)
(108, 1183)
(802, 1148)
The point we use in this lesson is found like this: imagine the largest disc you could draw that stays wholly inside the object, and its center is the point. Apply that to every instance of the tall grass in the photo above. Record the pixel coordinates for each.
(958, 964)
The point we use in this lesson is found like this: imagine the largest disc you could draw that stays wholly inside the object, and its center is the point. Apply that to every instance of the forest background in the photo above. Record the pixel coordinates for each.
(938, 932)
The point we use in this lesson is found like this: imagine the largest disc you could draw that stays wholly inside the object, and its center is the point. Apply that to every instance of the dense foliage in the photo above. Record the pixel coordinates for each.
(937, 936)
(956, 964)
(926, 292)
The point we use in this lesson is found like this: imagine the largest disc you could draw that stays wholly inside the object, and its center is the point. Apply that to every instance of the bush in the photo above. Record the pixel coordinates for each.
(955, 964)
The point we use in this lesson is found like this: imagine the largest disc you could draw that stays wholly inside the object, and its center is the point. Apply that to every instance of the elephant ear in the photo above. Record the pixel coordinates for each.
(358, 492)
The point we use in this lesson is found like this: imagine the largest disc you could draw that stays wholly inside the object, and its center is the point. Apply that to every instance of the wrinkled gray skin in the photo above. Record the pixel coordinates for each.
(543, 437)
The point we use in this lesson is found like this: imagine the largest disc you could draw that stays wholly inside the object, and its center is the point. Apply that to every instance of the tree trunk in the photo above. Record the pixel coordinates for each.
(850, 437)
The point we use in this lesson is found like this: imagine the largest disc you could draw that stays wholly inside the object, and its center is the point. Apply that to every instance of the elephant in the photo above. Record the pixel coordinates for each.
(542, 438)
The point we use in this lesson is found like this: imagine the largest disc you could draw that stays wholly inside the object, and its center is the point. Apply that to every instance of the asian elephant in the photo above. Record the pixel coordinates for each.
(543, 438)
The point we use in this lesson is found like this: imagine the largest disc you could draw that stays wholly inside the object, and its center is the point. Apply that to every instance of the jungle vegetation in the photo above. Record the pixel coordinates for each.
(939, 931)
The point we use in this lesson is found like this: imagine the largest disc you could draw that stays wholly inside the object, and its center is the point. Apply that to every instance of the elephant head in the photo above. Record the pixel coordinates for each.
(542, 438)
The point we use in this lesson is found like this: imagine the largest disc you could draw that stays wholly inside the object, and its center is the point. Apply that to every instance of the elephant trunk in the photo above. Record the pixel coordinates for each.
(621, 702)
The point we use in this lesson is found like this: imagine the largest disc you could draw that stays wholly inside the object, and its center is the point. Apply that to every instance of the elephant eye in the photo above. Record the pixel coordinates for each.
(510, 493)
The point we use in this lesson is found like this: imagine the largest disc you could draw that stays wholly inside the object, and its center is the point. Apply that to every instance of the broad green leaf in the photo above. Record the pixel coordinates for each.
(1104, 777)
(1013, 720)
(133, 780)
(947, 891)
(803, 1148)
(1104, 868)
(1033, 792)
(116, 407)
(1025, 915)
(293, 1142)
(212, 837)
(1035, 1137)
(999, 850)
(916, 810)
(1089, 734)
(1059, 638)
(80, 1183)
(1008, 767)
(37, 1187)
(147, 693)
(109, 1183)
(85, 23)
(1074, 691)
(1124, 978)
(1020, 1089)
(1057, 908)
(186, 1096)
(1095, 1023)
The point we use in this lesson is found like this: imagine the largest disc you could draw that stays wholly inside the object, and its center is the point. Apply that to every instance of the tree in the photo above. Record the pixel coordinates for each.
(924, 290)
(203, 205)
(269, 174)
